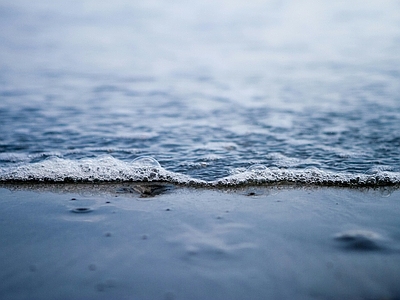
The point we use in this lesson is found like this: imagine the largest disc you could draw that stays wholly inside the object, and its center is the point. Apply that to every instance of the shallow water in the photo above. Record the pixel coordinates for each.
(217, 92)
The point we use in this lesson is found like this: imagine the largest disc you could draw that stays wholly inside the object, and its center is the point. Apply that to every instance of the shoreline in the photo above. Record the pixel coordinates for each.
(163, 241)
(116, 187)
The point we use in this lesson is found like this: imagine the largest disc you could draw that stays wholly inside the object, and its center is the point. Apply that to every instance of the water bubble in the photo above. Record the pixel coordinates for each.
(257, 168)
(146, 162)
(385, 192)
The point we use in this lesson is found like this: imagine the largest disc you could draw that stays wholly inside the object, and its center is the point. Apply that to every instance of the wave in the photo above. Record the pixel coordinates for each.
(147, 169)
(260, 174)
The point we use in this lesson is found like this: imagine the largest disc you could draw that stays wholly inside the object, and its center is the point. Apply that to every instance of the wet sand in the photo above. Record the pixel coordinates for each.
(131, 241)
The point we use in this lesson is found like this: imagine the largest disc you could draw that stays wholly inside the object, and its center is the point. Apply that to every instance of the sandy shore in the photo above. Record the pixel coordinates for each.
(164, 242)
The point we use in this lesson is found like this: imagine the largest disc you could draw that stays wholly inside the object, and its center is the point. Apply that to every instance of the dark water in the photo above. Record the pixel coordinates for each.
(215, 92)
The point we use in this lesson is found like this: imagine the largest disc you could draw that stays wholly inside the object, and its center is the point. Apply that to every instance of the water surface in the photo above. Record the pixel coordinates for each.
(216, 92)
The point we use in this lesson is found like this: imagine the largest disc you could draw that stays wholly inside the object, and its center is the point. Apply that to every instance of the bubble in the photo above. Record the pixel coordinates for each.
(257, 168)
(385, 192)
(145, 162)
(80, 210)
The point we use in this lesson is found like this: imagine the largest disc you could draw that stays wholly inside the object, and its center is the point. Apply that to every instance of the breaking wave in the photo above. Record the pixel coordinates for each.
(147, 169)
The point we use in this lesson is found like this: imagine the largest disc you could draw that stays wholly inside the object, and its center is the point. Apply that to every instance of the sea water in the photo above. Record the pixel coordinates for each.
(208, 92)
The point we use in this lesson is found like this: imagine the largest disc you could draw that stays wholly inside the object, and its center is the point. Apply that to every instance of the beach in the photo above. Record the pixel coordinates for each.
(199, 150)
(162, 241)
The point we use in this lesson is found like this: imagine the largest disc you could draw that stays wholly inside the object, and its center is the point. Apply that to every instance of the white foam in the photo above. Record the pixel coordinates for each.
(260, 174)
(102, 169)
(287, 162)
(109, 169)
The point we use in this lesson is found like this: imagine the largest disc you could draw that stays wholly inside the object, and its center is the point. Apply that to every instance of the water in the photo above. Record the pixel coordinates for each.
(216, 92)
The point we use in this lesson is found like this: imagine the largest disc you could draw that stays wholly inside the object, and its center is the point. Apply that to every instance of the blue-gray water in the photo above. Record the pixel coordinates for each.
(216, 91)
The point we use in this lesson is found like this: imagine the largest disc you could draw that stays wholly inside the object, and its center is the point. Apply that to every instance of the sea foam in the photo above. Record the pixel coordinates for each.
(102, 169)
(147, 169)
